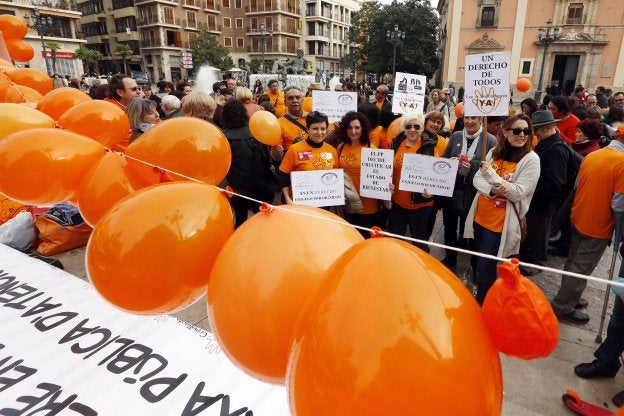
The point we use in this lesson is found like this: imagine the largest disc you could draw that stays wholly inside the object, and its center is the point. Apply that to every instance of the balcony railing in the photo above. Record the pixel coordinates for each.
(191, 3)
(260, 49)
(274, 6)
(152, 20)
(212, 5)
(150, 43)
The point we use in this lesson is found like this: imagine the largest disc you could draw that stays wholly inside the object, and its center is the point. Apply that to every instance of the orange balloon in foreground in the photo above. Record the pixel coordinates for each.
(265, 128)
(105, 184)
(98, 119)
(12, 27)
(19, 94)
(259, 284)
(153, 251)
(6, 66)
(45, 166)
(187, 145)
(59, 100)
(19, 50)
(523, 84)
(393, 332)
(459, 109)
(15, 117)
(394, 128)
(33, 78)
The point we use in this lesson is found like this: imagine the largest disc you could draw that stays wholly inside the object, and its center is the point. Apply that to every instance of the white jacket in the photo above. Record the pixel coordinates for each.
(521, 188)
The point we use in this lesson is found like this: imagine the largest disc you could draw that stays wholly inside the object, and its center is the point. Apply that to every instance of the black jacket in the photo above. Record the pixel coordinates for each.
(553, 176)
(251, 163)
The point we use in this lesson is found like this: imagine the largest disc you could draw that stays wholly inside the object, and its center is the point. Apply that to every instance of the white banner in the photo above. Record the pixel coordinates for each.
(334, 103)
(409, 94)
(376, 173)
(434, 175)
(487, 90)
(318, 188)
(60, 342)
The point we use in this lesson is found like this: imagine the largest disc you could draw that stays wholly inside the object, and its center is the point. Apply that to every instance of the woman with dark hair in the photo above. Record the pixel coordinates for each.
(505, 183)
(614, 117)
(545, 101)
(528, 106)
(250, 170)
(587, 137)
(258, 89)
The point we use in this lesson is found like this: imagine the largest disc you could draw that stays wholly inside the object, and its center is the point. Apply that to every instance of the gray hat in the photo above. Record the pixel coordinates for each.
(543, 117)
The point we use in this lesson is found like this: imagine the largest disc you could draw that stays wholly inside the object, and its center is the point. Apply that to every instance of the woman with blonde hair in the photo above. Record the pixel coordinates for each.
(142, 115)
(436, 103)
(244, 95)
(200, 105)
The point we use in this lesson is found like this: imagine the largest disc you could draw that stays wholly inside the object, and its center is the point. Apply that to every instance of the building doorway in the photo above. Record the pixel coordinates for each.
(564, 74)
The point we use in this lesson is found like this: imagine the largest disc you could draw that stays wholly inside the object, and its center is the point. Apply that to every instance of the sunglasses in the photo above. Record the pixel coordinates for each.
(133, 89)
(517, 131)
(410, 126)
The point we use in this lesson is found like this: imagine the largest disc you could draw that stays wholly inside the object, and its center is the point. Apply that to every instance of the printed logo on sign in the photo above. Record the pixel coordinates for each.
(329, 178)
(345, 99)
(442, 167)
(486, 100)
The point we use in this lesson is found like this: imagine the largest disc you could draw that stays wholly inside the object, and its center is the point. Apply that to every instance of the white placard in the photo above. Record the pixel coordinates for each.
(435, 175)
(60, 338)
(376, 173)
(487, 84)
(334, 103)
(409, 94)
(318, 188)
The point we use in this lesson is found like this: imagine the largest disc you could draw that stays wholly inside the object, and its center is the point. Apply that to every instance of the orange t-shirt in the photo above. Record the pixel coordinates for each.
(384, 141)
(301, 156)
(403, 198)
(601, 175)
(374, 136)
(290, 131)
(490, 212)
(568, 128)
(278, 102)
(350, 160)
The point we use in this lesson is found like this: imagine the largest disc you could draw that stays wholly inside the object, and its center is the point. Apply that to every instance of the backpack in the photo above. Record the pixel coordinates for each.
(574, 164)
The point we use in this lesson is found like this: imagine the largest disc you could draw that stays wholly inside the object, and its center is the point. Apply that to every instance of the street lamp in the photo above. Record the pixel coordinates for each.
(395, 37)
(545, 36)
(264, 38)
(41, 24)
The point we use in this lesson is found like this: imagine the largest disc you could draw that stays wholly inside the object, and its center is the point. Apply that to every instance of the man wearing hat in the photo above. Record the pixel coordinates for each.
(598, 203)
(554, 155)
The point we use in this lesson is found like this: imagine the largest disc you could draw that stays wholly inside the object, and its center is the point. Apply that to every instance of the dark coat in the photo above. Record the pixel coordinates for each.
(553, 176)
(250, 170)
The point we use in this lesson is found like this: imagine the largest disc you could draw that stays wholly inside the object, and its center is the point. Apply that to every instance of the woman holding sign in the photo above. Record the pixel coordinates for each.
(410, 207)
(505, 183)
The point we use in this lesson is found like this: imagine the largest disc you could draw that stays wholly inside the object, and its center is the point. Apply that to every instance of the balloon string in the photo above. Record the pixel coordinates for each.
(13, 84)
(375, 231)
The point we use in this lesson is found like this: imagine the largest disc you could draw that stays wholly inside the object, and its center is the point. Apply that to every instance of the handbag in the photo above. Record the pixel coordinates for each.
(353, 202)
(522, 221)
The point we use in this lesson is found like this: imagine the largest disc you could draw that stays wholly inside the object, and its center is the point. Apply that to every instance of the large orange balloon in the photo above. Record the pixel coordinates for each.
(98, 119)
(19, 50)
(33, 78)
(394, 128)
(187, 145)
(6, 66)
(19, 94)
(15, 117)
(265, 128)
(523, 84)
(45, 166)
(153, 251)
(12, 27)
(393, 332)
(459, 109)
(257, 289)
(4, 87)
(59, 100)
(106, 183)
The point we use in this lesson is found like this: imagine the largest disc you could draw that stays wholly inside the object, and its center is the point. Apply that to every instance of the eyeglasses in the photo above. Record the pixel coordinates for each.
(517, 131)
(293, 97)
(133, 89)
(414, 126)
(619, 100)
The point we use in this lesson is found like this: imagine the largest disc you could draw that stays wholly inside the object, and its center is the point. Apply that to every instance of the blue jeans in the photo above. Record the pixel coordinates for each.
(486, 242)
(608, 353)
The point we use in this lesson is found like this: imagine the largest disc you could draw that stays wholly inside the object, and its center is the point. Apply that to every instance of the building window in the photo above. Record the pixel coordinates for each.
(227, 42)
(487, 13)
(575, 14)
(239, 23)
(526, 67)
(240, 42)
(227, 22)
(226, 3)
(487, 16)
(238, 4)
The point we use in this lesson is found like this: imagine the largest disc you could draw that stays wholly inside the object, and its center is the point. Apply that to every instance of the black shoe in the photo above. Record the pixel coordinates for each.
(558, 251)
(576, 317)
(595, 370)
(582, 303)
(527, 271)
(618, 399)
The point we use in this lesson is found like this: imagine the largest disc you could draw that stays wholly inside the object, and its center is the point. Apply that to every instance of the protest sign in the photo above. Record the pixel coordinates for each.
(334, 103)
(435, 175)
(409, 95)
(376, 173)
(318, 188)
(61, 343)
(487, 90)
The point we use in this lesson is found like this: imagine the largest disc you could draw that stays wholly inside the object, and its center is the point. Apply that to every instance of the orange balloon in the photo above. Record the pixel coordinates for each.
(265, 128)
(149, 261)
(32, 78)
(98, 119)
(459, 109)
(59, 100)
(4, 77)
(19, 94)
(12, 27)
(268, 288)
(19, 50)
(105, 184)
(4, 87)
(523, 84)
(187, 145)
(14, 117)
(392, 331)
(6, 66)
(45, 166)
(394, 128)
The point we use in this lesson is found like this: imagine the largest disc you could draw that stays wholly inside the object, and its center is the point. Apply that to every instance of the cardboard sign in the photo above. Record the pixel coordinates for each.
(435, 175)
(409, 94)
(376, 173)
(334, 103)
(487, 90)
(60, 342)
(318, 188)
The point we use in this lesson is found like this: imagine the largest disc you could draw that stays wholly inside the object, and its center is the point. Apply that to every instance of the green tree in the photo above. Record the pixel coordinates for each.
(416, 54)
(207, 51)
(123, 50)
(89, 57)
(53, 46)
